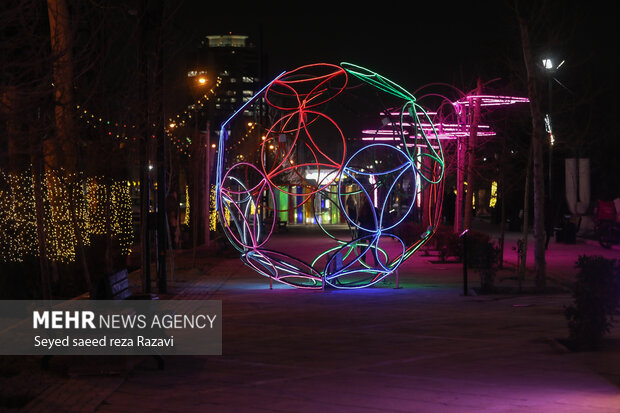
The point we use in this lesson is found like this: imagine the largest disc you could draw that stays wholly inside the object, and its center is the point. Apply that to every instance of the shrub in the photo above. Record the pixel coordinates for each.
(482, 254)
(448, 243)
(410, 232)
(596, 296)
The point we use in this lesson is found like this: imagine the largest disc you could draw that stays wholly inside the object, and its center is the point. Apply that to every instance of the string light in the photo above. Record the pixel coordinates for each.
(125, 131)
(183, 143)
(493, 199)
(91, 197)
(186, 217)
(212, 217)
(16, 217)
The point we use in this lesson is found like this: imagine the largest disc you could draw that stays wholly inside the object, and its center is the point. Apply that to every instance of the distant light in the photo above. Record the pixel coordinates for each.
(202, 80)
(493, 198)
(213, 145)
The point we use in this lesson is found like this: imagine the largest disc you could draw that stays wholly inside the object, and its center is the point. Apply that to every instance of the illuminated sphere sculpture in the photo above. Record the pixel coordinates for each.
(300, 159)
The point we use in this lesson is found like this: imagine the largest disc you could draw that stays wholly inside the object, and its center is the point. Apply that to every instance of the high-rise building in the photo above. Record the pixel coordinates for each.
(234, 63)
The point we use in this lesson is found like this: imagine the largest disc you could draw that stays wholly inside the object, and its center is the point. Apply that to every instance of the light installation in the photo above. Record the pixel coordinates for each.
(299, 164)
(102, 206)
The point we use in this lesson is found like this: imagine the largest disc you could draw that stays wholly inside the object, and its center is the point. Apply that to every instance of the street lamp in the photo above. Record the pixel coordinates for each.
(199, 76)
(198, 79)
(550, 67)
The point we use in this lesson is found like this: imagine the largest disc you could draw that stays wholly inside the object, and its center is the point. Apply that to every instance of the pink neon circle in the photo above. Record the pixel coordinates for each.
(254, 194)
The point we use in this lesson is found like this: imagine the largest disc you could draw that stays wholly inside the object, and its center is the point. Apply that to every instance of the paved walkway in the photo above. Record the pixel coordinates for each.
(424, 347)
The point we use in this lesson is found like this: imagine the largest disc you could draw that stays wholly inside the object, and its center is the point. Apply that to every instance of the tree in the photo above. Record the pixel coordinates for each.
(537, 157)
(59, 161)
(471, 156)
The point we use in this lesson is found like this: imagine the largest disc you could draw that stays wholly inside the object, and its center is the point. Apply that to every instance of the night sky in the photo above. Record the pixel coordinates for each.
(451, 42)
(429, 41)
(415, 46)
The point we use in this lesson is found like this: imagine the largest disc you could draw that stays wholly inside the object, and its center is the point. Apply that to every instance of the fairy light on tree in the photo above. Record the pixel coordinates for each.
(92, 198)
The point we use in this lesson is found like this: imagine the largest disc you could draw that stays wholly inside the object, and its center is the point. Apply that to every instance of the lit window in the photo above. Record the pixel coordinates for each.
(227, 40)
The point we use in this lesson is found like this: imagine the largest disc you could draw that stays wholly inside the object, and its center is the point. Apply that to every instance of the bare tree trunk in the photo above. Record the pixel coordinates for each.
(196, 174)
(207, 203)
(37, 180)
(502, 225)
(77, 231)
(537, 159)
(461, 154)
(107, 184)
(426, 218)
(526, 218)
(471, 159)
(145, 152)
(60, 152)
(160, 139)
(12, 110)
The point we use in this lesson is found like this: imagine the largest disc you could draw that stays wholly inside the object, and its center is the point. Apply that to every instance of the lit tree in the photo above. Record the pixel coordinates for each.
(65, 146)
(537, 158)
(548, 26)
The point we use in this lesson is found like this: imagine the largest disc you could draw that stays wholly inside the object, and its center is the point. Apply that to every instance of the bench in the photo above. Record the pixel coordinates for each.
(116, 287)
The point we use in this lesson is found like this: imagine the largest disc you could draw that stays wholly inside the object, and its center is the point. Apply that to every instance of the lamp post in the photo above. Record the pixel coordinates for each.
(205, 154)
(198, 82)
(551, 68)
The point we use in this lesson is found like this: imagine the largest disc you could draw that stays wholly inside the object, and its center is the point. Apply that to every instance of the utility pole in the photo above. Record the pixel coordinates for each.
(145, 179)
(160, 135)
(207, 227)
(471, 156)
(550, 67)
(550, 130)
(460, 171)
(537, 159)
